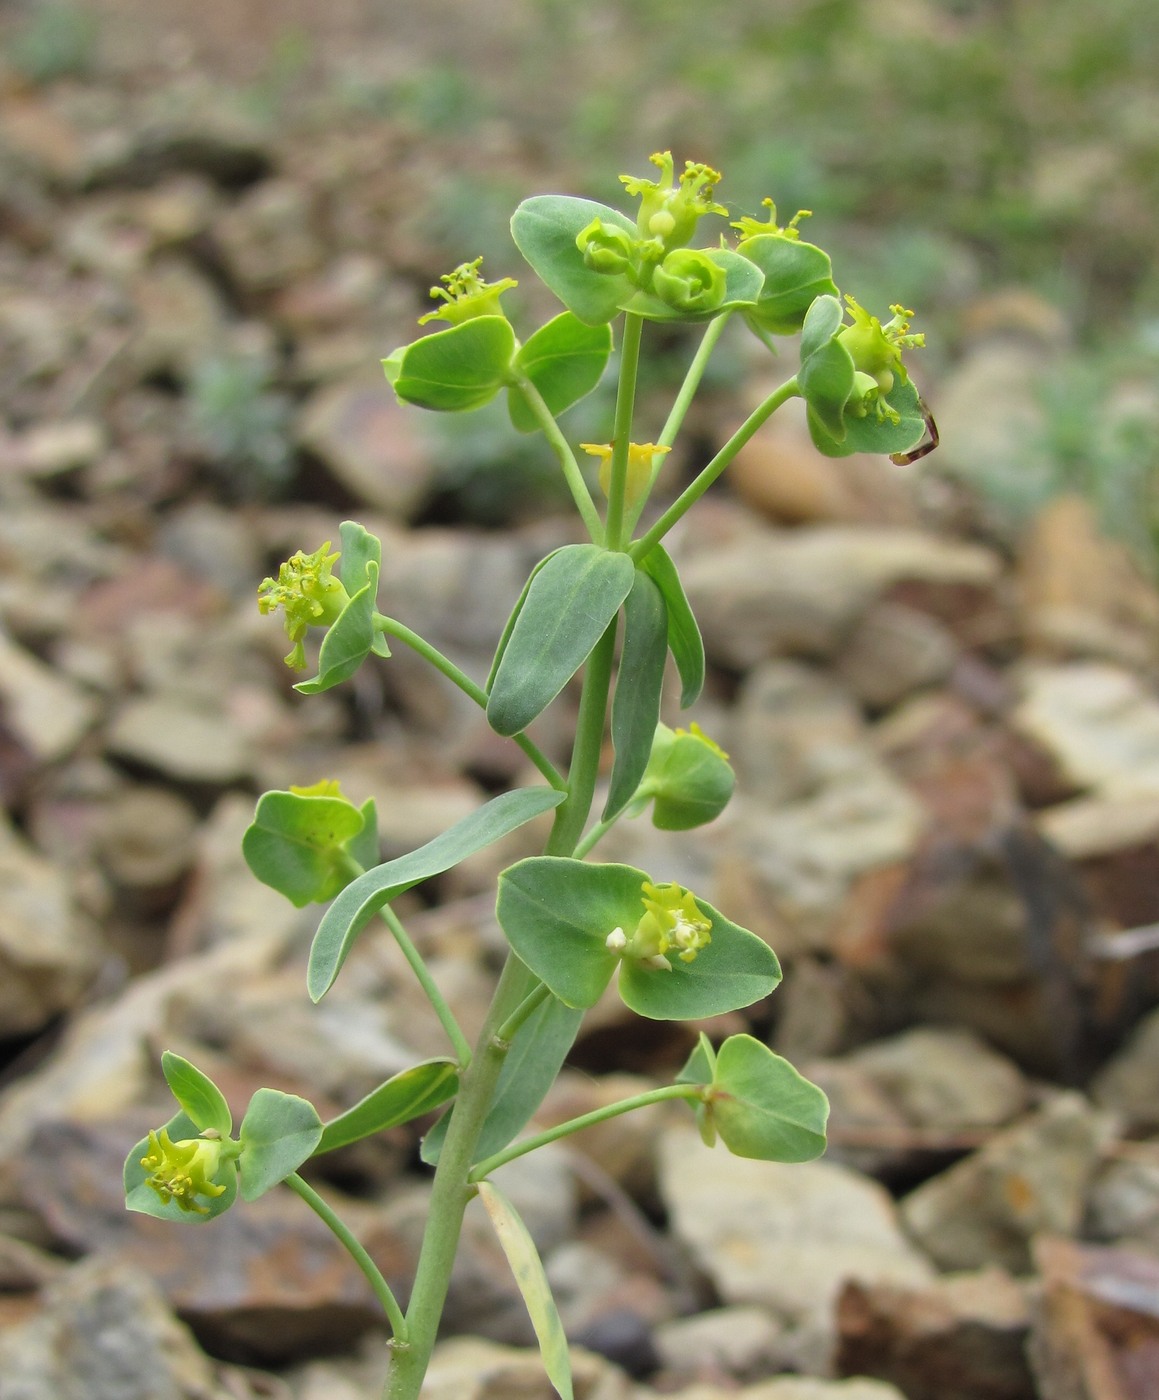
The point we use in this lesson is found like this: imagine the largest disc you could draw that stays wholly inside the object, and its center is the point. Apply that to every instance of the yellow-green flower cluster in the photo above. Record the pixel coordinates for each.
(669, 210)
(182, 1171)
(753, 228)
(672, 922)
(465, 295)
(310, 595)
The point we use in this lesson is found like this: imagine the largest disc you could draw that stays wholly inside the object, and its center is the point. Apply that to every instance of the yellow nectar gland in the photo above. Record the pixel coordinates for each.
(182, 1171)
(694, 731)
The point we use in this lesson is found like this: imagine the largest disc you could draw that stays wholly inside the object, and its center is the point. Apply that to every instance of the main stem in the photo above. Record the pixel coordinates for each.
(451, 1190)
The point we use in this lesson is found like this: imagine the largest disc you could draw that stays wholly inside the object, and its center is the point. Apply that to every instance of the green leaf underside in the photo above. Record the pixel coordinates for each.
(278, 1133)
(362, 898)
(684, 640)
(822, 323)
(878, 435)
(197, 1094)
(565, 360)
(295, 844)
(636, 706)
(359, 549)
(402, 1098)
(523, 1258)
(457, 369)
(568, 607)
(545, 229)
(795, 274)
(825, 380)
(557, 914)
(760, 1105)
(349, 641)
(537, 1053)
(143, 1199)
(509, 625)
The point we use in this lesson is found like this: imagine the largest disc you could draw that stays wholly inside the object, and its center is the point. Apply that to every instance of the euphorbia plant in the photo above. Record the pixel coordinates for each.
(574, 925)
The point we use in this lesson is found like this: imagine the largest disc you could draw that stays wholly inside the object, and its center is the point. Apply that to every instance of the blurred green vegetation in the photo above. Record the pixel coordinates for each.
(54, 40)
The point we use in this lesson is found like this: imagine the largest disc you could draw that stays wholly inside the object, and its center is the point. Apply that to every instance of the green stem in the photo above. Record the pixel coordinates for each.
(507, 1030)
(427, 982)
(574, 1125)
(595, 835)
(451, 1191)
(562, 448)
(398, 1324)
(682, 403)
(393, 628)
(704, 480)
(622, 427)
(572, 814)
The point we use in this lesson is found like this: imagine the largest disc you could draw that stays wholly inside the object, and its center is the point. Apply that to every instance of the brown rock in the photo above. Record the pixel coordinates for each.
(1082, 593)
(960, 1338)
(1030, 1179)
(1096, 1331)
(372, 444)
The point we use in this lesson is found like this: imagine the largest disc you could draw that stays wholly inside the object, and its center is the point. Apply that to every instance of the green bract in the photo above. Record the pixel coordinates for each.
(756, 1101)
(688, 779)
(189, 1169)
(546, 230)
(456, 369)
(303, 843)
(564, 360)
(559, 915)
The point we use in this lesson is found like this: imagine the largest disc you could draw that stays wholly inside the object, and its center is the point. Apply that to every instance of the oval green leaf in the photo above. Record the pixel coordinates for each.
(565, 360)
(509, 625)
(569, 605)
(640, 679)
(523, 1258)
(455, 370)
(197, 1094)
(278, 1133)
(362, 898)
(403, 1097)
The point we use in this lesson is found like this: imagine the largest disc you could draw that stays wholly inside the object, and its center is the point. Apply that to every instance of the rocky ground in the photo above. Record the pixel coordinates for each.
(947, 745)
